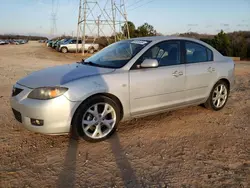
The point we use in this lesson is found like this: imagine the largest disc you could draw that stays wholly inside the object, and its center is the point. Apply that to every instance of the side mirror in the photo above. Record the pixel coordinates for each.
(150, 63)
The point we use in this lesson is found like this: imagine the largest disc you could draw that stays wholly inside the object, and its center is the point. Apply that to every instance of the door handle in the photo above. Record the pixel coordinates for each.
(211, 69)
(175, 73)
(180, 73)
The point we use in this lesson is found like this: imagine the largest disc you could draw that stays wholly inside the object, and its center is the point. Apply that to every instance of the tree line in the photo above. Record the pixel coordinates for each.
(236, 44)
(8, 37)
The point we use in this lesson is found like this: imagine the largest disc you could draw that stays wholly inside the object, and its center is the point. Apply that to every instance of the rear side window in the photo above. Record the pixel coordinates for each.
(196, 53)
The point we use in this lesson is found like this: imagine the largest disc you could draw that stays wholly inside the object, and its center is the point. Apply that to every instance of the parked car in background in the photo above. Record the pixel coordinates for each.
(70, 46)
(2, 42)
(49, 43)
(16, 42)
(22, 41)
(54, 43)
(63, 41)
(7, 42)
(130, 78)
(57, 43)
(42, 41)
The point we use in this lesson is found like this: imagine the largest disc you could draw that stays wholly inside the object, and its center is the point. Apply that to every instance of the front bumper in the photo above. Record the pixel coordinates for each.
(56, 113)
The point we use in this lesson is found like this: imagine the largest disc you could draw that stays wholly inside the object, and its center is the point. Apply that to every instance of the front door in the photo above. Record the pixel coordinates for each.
(155, 89)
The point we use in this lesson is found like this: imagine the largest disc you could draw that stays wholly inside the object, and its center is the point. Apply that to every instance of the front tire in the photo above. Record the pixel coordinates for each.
(64, 50)
(96, 119)
(91, 50)
(218, 96)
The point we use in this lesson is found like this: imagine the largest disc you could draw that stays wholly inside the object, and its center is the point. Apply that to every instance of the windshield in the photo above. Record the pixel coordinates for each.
(118, 54)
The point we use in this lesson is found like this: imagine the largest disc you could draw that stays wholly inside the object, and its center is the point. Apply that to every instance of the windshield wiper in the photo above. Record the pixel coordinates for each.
(89, 63)
(81, 62)
(94, 64)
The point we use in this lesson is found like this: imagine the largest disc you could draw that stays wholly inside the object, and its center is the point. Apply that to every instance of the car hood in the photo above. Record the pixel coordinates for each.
(59, 75)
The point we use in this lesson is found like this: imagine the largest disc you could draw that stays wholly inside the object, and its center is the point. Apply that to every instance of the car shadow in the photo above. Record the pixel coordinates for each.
(126, 171)
(66, 178)
(67, 175)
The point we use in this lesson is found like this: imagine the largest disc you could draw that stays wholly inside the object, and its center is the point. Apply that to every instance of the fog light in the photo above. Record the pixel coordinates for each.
(37, 122)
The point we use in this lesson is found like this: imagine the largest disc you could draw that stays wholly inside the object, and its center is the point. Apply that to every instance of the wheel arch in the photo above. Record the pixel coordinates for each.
(65, 48)
(109, 95)
(226, 81)
(91, 47)
(213, 84)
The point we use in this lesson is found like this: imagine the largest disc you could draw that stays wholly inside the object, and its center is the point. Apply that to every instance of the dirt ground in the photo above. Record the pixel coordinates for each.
(191, 147)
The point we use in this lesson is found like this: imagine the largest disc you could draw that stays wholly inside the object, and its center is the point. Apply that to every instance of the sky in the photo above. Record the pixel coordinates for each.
(167, 16)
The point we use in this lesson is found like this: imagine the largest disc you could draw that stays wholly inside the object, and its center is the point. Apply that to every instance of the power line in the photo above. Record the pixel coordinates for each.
(136, 2)
(141, 5)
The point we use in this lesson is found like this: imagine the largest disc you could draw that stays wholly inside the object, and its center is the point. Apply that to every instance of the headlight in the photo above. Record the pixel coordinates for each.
(45, 93)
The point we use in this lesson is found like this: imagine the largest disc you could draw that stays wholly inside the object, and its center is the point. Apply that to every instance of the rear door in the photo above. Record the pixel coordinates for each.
(155, 89)
(200, 71)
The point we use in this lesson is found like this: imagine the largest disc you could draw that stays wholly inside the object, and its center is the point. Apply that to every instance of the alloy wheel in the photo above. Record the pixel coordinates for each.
(64, 50)
(219, 96)
(99, 120)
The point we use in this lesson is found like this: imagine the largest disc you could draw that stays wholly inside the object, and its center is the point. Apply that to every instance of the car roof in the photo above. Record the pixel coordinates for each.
(162, 38)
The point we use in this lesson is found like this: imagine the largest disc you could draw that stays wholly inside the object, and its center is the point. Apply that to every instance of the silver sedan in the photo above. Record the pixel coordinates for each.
(130, 78)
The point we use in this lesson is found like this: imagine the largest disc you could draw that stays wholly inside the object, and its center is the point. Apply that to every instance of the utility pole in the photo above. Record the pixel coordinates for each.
(94, 20)
(98, 26)
(53, 18)
(84, 26)
(125, 17)
(123, 13)
(113, 16)
(78, 25)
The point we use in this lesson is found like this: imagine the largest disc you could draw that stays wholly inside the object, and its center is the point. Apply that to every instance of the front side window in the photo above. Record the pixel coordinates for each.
(196, 53)
(166, 53)
(118, 54)
(209, 55)
(72, 42)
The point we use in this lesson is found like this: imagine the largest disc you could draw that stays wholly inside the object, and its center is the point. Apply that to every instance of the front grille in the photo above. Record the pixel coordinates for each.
(16, 91)
(17, 115)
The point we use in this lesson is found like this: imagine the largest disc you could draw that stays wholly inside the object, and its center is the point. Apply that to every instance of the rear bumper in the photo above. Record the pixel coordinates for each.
(232, 85)
(232, 81)
(56, 113)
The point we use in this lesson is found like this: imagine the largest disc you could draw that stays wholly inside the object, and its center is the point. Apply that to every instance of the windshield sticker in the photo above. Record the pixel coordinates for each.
(141, 42)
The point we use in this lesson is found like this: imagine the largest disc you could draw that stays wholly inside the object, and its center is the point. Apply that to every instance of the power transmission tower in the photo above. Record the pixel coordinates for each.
(98, 26)
(95, 19)
(53, 29)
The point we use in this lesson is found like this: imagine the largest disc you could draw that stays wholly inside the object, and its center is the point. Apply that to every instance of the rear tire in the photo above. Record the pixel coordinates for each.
(218, 96)
(96, 119)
